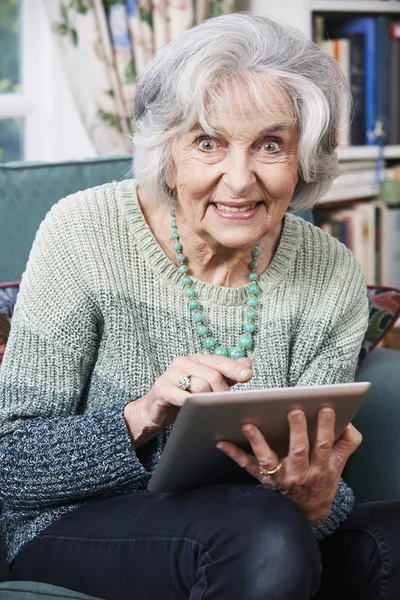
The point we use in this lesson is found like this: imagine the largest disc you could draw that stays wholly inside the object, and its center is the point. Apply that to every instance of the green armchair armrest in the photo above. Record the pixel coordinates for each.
(373, 470)
(33, 590)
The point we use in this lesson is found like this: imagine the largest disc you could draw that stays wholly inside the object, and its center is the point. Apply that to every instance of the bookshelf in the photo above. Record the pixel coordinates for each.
(367, 152)
(359, 6)
(359, 192)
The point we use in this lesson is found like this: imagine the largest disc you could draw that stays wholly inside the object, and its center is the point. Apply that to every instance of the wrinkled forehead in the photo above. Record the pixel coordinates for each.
(256, 101)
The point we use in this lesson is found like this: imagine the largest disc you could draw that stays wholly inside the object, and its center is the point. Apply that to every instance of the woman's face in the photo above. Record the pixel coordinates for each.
(234, 188)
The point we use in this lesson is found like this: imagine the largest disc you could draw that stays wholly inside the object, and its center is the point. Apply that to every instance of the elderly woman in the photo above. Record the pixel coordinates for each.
(193, 277)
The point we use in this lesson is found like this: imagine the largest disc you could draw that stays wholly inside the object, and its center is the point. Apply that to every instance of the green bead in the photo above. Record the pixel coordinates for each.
(252, 302)
(193, 304)
(253, 288)
(249, 327)
(173, 224)
(253, 277)
(190, 293)
(254, 264)
(221, 351)
(177, 246)
(183, 269)
(186, 280)
(209, 343)
(175, 235)
(202, 330)
(257, 243)
(250, 314)
(245, 341)
(198, 316)
(172, 213)
(180, 258)
(255, 253)
(236, 353)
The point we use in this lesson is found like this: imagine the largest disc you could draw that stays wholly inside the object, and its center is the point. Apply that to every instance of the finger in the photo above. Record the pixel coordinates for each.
(214, 379)
(348, 443)
(244, 460)
(263, 453)
(325, 437)
(298, 459)
(169, 393)
(246, 364)
(229, 368)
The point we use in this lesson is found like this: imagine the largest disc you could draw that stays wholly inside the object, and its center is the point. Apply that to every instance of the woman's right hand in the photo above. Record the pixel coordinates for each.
(157, 409)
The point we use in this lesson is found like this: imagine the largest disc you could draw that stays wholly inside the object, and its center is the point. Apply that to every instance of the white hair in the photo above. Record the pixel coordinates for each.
(178, 86)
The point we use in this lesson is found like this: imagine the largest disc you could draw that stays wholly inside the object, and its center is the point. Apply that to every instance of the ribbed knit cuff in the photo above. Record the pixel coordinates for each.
(341, 508)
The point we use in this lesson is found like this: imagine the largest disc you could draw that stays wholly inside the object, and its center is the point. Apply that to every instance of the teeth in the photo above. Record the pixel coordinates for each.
(234, 208)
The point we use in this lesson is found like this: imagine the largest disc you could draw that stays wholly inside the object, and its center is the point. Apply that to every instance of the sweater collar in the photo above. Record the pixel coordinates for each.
(164, 269)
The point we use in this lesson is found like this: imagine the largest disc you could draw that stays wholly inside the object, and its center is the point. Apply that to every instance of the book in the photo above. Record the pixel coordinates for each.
(367, 26)
(357, 88)
(318, 29)
(390, 246)
(339, 49)
(394, 131)
(383, 57)
(356, 228)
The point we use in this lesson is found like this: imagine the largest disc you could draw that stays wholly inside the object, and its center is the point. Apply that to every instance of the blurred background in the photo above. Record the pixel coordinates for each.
(68, 72)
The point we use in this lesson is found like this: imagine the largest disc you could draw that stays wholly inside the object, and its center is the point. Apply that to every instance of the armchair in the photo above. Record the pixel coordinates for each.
(27, 193)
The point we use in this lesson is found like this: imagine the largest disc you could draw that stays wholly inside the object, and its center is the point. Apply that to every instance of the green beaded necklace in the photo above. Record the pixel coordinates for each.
(245, 340)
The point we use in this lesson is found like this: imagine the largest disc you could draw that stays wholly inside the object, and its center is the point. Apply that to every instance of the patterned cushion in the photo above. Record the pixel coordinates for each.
(384, 310)
(8, 296)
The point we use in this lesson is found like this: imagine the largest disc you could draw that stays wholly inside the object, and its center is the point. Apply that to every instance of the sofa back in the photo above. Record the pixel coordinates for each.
(28, 191)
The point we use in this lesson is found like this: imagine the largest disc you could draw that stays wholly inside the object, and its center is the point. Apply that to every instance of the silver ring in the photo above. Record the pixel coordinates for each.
(184, 382)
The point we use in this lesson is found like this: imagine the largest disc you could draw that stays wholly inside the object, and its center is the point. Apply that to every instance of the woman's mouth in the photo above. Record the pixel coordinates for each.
(236, 213)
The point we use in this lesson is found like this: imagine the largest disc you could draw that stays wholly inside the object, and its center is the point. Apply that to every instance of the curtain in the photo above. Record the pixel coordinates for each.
(105, 44)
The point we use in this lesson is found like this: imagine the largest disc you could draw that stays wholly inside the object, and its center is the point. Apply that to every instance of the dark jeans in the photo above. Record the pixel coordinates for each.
(223, 542)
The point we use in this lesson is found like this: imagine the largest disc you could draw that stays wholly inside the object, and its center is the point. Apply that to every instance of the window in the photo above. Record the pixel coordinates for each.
(11, 106)
(39, 120)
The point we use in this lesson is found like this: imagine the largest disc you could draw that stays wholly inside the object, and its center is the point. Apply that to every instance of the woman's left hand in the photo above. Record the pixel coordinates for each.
(310, 479)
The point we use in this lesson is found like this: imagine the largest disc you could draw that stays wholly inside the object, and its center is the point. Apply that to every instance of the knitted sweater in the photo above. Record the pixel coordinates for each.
(101, 314)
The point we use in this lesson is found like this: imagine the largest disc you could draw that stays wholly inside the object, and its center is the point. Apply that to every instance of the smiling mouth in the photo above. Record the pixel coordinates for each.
(226, 208)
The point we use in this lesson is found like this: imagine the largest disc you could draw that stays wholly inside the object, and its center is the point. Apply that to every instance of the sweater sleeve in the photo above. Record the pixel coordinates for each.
(53, 461)
(334, 360)
(52, 450)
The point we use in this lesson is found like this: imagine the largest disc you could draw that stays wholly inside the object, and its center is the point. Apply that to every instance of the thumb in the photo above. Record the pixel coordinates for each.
(246, 362)
(348, 443)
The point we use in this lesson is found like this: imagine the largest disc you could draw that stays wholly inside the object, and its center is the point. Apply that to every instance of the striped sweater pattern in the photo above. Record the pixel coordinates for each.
(101, 314)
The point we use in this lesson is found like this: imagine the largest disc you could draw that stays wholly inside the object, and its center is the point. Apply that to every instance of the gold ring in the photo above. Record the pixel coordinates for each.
(264, 470)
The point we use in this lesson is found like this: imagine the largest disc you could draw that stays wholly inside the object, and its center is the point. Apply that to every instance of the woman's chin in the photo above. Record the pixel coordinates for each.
(235, 239)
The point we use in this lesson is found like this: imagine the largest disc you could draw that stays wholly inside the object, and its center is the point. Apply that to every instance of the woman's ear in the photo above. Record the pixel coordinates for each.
(170, 176)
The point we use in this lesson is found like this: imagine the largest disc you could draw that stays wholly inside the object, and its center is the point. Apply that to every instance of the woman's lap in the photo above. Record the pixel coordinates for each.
(223, 542)
(139, 546)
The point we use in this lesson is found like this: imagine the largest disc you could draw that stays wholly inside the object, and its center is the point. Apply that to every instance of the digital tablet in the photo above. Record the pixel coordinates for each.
(190, 458)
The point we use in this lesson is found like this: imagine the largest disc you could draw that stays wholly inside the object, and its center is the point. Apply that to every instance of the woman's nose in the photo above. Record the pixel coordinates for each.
(238, 174)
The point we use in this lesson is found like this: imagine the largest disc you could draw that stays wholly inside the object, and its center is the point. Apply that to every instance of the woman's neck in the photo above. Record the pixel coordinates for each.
(217, 264)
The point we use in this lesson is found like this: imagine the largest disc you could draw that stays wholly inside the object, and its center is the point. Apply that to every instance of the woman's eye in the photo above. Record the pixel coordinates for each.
(271, 146)
(206, 144)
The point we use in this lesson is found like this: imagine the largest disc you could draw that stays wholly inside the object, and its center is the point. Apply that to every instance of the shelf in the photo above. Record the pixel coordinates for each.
(367, 152)
(352, 192)
(357, 6)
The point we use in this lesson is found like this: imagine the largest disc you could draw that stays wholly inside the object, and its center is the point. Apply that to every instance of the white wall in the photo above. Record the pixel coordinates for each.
(292, 12)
